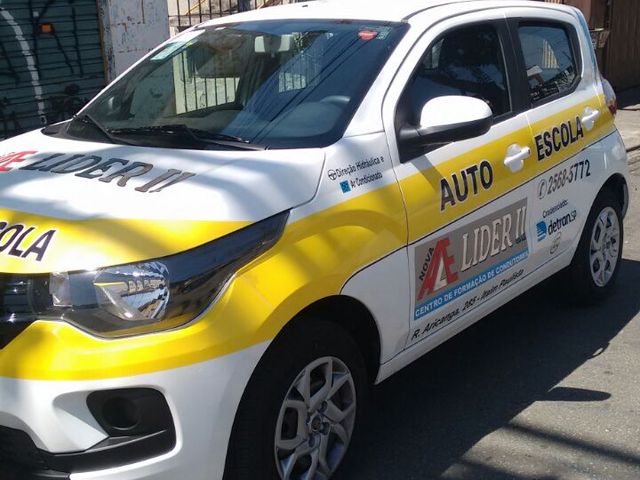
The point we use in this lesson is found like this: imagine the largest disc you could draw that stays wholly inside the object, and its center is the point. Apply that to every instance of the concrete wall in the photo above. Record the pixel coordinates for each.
(131, 28)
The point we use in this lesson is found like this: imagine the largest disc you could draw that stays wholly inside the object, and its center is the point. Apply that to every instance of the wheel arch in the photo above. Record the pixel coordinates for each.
(617, 184)
(351, 315)
(342, 311)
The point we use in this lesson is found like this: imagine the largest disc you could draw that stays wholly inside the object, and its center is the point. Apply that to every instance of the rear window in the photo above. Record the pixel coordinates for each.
(549, 60)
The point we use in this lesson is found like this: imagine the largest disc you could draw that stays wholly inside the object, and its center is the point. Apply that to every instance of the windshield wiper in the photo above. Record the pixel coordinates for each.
(200, 136)
(87, 118)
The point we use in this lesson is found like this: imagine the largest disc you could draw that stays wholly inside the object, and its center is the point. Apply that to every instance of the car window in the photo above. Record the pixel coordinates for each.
(271, 83)
(548, 58)
(467, 61)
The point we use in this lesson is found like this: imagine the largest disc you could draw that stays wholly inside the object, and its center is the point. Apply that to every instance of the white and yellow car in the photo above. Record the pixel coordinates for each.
(203, 271)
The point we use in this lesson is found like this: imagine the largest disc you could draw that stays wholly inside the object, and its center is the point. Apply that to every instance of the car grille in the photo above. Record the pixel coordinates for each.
(16, 306)
(17, 447)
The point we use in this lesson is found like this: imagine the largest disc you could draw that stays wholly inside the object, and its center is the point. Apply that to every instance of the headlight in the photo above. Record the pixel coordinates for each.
(141, 297)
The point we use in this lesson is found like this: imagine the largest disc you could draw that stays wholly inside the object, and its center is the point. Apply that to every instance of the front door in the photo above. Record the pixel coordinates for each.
(466, 201)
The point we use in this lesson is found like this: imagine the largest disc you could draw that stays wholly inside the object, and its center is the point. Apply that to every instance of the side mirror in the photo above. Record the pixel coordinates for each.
(448, 119)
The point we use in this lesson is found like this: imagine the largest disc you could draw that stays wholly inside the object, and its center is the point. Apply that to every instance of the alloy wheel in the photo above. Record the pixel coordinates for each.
(316, 421)
(604, 246)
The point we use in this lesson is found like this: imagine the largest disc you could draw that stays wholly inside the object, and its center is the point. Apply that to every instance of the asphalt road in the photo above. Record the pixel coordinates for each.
(540, 390)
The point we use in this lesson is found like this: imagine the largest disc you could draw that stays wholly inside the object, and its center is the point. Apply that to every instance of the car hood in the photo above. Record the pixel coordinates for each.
(70, 205)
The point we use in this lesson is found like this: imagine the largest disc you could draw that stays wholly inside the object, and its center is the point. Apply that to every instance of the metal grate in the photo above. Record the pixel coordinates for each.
(186, 13)
(17, 447)
(50, 61)
(10, 331)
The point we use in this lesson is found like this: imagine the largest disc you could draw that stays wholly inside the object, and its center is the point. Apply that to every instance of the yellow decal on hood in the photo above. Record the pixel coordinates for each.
(39, 244)
(24, 241)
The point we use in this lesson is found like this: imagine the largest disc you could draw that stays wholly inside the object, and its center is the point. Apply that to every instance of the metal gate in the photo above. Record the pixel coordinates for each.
(623, 53)
(51, 61)
(619, 57)
(186, 13)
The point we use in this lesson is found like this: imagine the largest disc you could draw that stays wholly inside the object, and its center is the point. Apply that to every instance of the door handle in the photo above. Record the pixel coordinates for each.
(516, 155)
(589, 118)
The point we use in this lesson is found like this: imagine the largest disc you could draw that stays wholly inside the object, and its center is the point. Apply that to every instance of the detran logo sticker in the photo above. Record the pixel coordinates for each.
(541, 230)
(549, 227)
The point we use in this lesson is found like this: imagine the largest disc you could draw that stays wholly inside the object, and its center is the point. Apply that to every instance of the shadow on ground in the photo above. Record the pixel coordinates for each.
(427, 416)
(629, 99)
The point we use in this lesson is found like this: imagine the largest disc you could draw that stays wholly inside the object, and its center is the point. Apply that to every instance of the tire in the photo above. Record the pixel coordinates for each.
(311, 427)
(594, 269)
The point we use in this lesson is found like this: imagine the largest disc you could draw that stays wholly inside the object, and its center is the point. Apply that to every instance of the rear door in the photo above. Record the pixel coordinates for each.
(467, 201)
(567, 119)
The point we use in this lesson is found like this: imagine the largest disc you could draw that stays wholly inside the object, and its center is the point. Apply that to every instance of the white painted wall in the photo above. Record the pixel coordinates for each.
(131, 28)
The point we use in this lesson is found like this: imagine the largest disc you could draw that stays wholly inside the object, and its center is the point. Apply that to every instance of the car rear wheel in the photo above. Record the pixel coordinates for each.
(301, 408)
(604, 247)
(594, 269)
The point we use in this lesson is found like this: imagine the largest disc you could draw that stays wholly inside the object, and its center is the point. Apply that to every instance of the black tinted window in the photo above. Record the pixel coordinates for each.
(465, 62)
(548, 57)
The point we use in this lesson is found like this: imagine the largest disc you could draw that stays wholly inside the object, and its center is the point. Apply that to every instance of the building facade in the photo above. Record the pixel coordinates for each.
(55, 55)
(51, 61)
(619, 22)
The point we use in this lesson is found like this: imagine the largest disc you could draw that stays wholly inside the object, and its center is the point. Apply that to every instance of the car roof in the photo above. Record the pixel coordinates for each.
(374, 10)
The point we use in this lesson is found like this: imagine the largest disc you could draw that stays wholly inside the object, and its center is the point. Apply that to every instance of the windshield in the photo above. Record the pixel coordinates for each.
(272, 84)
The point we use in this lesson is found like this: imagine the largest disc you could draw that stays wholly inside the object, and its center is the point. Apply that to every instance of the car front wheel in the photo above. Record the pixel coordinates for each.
(301, 408)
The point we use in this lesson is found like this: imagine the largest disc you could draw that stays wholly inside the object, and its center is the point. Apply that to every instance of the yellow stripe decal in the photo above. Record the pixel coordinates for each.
(425, 217)
(313, 260)
(87, 244)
